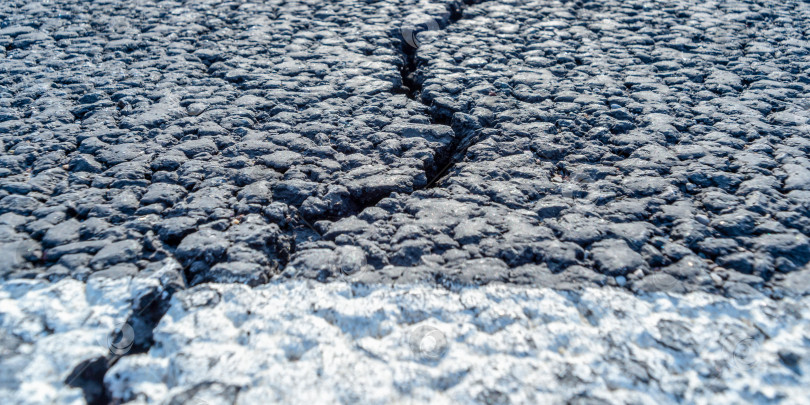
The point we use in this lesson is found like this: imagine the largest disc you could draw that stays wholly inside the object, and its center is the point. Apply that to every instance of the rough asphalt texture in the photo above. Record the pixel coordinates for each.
(493, 345)
(546, 142)
(647, 146)
(305, 342)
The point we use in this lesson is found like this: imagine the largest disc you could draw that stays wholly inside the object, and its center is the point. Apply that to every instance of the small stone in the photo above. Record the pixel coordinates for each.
(114, 253)
(195, 109)
(168, 194)
(197, 147)
(63, 233)
(350, 259)
(614, 257)
(206, 245)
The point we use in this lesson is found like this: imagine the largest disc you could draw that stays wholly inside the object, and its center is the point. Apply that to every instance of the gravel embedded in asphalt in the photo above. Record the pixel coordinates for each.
(147, 147)
(574, 143)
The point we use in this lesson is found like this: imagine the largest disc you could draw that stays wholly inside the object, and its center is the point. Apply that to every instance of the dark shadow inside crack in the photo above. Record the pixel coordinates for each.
(135, 336)
(466, 132)
(89, 377)
(412, 83)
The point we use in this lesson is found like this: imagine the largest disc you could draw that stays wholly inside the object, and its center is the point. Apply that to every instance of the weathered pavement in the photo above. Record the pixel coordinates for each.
(645, 146)
(586, 141)
(303, 342)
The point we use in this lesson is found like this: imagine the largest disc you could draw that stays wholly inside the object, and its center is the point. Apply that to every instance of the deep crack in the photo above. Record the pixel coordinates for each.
(467, 129)
(446, 157)
(135, 336)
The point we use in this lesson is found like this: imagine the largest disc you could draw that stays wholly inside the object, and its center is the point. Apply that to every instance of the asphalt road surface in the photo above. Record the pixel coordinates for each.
(628, 150)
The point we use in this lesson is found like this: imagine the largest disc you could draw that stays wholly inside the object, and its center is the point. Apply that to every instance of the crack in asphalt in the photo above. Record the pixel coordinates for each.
(134, 336)
(678, 246)
(465, 132)
(456, 150)
(89, 375)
